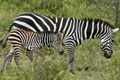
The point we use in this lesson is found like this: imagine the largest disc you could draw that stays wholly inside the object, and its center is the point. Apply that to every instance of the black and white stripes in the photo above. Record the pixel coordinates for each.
(32, 41)
(75, 30)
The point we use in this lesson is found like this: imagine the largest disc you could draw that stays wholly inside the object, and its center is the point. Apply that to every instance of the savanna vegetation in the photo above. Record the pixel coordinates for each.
(89, 62)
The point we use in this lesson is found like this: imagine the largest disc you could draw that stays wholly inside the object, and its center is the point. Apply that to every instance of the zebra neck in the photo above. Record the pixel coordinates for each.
(90, 29)
(47, 39)
(50, 42)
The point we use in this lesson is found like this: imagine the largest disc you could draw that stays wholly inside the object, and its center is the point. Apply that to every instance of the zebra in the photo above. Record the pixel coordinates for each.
(33, 41)
(75, 31)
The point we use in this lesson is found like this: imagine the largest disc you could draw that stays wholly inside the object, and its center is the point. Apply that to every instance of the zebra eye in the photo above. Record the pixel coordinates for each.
(112, 40)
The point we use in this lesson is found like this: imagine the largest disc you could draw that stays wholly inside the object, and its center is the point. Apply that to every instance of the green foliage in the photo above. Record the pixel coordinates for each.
(89, 62)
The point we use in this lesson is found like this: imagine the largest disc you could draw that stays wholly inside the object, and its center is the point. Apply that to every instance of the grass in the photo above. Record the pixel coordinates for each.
(89, 62)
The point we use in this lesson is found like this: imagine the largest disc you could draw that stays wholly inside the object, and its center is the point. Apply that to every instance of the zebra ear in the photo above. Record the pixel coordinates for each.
(59, 35)
(115, 30)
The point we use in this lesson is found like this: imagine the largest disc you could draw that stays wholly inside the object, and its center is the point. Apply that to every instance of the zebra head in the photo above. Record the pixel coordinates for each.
(57, 43)
(107, 43)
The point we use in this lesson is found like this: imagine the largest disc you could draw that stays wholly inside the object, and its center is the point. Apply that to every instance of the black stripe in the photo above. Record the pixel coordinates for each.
(14, 35)
(99, 27)
(28, 21)
(46, 20)
(89, 29)
(67, 27)
(63, 24)
(71, 27)
(103, 28)
(83, 29)
(58, 24)
(21, 27)
(95, 29)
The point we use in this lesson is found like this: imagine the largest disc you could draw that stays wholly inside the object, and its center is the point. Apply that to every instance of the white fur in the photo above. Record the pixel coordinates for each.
(115, 30)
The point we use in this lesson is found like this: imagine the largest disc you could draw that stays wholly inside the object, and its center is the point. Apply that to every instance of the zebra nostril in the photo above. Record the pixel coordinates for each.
(61, 52)
(107, 55)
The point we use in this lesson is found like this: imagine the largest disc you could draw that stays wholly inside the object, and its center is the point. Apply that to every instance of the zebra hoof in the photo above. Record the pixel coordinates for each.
(72, 71)
(1, 71)
(19, 69)
(31, 60)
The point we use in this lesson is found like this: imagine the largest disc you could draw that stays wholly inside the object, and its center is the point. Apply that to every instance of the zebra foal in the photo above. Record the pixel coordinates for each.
(32, 41)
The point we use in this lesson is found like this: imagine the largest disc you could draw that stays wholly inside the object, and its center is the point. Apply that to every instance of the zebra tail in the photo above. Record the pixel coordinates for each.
(1, 41)
(4, 41)
(10, 27)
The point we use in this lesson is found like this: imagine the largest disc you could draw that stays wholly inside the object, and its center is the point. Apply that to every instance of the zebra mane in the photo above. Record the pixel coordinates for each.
(99, 20)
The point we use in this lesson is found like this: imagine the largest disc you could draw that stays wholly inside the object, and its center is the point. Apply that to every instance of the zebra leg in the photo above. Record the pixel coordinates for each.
(41, 55)
(29, 54)
(16, 57)
(8, 55)
(38, 51)
(9, 61)
(70, 48)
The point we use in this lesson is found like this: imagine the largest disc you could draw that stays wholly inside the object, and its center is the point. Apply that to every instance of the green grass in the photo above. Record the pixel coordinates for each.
(55, 66)
(89, 63)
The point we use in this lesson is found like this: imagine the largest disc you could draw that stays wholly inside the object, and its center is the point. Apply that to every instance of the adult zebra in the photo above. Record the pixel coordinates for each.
(75, 30)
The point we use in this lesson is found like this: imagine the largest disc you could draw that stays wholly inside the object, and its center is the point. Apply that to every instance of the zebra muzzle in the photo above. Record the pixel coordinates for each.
(61, 52)
(107, 55)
